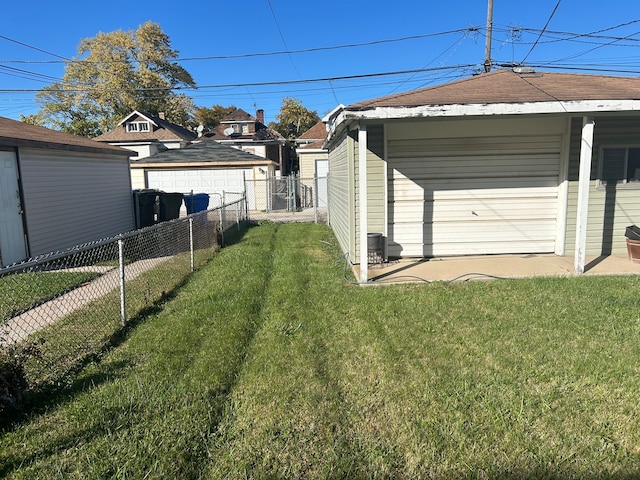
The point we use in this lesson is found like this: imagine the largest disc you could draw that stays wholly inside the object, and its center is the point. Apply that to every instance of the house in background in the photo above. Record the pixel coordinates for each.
(313, 161)
(506, 162)
(58, 191)
(245, 132)
(147, 135)
(208, 167)
(313, 157)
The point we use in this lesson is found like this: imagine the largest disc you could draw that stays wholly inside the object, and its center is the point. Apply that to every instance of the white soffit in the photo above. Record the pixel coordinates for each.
(458, 110)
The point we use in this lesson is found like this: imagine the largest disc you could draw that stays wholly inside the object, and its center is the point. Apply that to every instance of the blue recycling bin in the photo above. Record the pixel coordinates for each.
(196, 202)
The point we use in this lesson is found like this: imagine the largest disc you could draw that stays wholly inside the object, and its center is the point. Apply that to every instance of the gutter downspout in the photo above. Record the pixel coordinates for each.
(362, 200)
(586, 151)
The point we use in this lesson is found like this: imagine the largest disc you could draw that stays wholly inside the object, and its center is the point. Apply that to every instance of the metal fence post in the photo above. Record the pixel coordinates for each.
(221, 226)
(191, 243)
(123, 303)
(315, 199)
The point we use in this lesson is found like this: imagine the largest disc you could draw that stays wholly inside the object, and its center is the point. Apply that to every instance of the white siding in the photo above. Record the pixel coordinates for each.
(375, 183)
(138, 180)
(72, 198)
(341, 206)
(611, 209)
(473, 187)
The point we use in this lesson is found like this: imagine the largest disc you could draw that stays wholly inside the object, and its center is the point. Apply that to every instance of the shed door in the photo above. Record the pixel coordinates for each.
(215, 182)
(473, 195)
(12, 241)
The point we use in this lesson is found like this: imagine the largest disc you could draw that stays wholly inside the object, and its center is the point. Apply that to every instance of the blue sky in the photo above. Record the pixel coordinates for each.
(443, 40)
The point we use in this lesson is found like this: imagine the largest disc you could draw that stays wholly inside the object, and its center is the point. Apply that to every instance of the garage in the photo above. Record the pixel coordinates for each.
(215, 182)
(206, 167)
(492, 189)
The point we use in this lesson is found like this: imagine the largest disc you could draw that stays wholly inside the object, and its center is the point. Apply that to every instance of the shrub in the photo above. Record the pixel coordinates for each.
(13, 380)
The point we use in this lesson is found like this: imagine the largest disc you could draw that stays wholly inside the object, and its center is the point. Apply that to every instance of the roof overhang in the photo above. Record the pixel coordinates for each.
(231, 164)
(345, 117)
(311, 150)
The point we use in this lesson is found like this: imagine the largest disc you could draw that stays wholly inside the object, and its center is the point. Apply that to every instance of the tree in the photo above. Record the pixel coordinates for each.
(116, 73)
(210, 118)
(294, 119)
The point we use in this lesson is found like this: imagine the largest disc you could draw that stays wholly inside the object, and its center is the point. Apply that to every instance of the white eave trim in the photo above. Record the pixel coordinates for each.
(311, 150)
(580, 107)
(135, 112)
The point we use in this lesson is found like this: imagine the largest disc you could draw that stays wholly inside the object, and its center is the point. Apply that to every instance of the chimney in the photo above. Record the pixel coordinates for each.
(260, 116)
(161, 115)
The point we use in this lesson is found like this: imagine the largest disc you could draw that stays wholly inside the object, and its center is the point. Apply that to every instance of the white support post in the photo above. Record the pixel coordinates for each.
(584, 180)
(123, 303)
(362, 197)
(191, 244)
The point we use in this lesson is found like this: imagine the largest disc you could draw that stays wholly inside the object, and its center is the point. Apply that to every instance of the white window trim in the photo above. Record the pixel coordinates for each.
(138, 127)
(624, 184)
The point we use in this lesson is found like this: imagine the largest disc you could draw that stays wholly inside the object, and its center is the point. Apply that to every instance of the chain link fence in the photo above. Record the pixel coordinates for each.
(61, 308)
(288, 199)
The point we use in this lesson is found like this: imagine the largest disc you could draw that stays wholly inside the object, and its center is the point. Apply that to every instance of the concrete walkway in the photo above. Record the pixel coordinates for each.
(20, 327)
(486, 267)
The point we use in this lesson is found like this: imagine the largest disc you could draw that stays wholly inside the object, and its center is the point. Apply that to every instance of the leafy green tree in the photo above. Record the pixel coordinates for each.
(33, 119)
(116, 73)
(294, 119)
(210, 118)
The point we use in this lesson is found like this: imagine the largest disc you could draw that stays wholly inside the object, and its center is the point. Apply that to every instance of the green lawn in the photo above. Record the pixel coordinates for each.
(266, 364)
(26, 290)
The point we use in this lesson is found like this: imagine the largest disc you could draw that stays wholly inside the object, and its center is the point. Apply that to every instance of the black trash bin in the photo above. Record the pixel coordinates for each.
(374, 241)
(170, 204)
(145, 204)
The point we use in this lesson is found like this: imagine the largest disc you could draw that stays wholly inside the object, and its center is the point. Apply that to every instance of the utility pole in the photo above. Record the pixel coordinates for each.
(487, 48)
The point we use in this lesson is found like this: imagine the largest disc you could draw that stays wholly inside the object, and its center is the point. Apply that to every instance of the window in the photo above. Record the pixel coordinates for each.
(245, 129)
(138, 127)
(619, 166)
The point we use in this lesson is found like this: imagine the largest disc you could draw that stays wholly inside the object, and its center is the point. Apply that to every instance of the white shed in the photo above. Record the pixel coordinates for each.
(58, 190)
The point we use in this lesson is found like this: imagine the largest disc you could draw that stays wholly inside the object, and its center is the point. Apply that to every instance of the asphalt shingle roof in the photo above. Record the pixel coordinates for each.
(317, 132)
(206, 152)
(239, 115)
(20, 134)
(506, 86)
(165, 131)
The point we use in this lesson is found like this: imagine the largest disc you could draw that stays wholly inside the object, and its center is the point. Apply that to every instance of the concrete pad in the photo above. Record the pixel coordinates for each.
(487, 267)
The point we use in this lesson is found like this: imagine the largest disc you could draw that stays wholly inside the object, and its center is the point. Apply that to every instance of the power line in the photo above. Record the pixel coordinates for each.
(259, 84)
(542, 31)
(33, 48)
(281, 52)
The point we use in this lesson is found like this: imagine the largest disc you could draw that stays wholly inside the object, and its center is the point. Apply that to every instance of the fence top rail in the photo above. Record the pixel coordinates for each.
(57, 255)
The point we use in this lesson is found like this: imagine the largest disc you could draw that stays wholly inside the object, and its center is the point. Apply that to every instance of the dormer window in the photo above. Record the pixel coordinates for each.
(138, 126)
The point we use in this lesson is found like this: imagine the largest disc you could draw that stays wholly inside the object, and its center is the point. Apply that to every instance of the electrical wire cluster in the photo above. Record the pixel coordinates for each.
(440, 67)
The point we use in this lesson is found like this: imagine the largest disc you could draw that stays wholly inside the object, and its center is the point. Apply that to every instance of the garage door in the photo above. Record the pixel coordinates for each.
(214, 182)
(473, 195)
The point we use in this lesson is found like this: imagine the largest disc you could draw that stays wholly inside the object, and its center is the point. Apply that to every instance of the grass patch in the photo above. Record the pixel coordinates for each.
(24, 291)
(266, 364)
